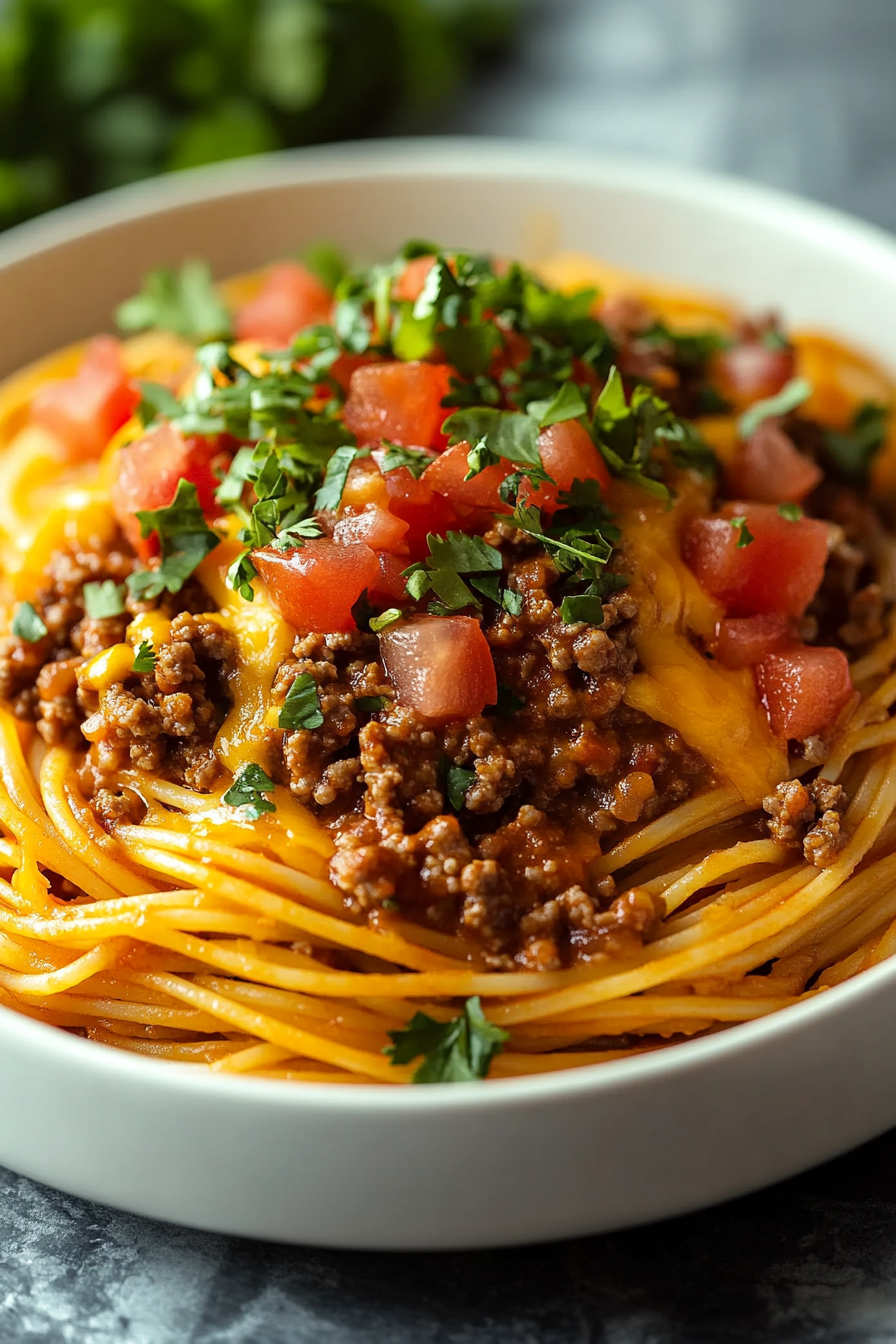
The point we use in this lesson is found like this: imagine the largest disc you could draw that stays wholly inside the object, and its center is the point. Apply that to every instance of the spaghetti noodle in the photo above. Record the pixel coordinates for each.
(251, 819)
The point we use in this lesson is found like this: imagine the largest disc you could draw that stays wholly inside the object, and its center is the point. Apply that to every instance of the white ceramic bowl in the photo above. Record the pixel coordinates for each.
(468, 1164)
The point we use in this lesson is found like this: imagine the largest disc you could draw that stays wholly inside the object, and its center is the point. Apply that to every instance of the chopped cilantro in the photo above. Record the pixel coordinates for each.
(371, 704)
(247, 792)
(363, 612)
(744, 535)
(415, 459)
(185, 539)
(181, 301)
(792, 395)
(458, 1051)
(103, 599)
(690, 349)
(384, 620)
(457, 781)
(155, 400)
(851, 452)
(567, 404)
(329, 495)
(508, 702)
(144, 658)
(792, 512)
(27, 625)
(627, 432)
(326, 262)
(586, 607)
(449, 558)
(509, 434)
(301, 708)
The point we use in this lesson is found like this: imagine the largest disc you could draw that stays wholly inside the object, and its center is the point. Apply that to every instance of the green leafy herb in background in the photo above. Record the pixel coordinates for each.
(97, 93)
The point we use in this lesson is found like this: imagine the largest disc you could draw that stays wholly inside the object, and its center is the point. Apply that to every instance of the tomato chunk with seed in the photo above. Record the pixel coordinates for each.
(86, 410)
(568, 454)
(750, 371)
(743, 641)
(148, 474)
(770, 468)
(290, 298)
(780, 570)
(418, 505)
(804, 689)
(315, 586)
(440, 666)
(446, 476)
(389, 587)
(373, 525)
(398, 401)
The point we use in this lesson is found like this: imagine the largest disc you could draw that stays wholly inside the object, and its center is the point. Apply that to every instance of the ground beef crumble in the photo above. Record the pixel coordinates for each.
(513, 870)
(808, 817)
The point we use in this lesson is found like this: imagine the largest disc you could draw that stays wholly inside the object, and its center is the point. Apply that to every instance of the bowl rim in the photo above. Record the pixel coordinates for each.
(446, 157)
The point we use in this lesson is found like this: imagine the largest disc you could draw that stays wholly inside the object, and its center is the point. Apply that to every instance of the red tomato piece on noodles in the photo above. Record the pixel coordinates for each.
(743, 641)
(771, 470)
(315, 586)
(148, 474)
(804, 689)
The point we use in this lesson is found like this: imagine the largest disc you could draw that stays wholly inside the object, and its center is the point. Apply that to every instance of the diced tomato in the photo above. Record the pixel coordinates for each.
(750, 371)
(771, 470)
(743, 641)
(290, 298)
(389, 586)
(417, 504)
(804, 689)
(148, 474)
(446, 476)
(375, 526)
(364, 485)
(86, 410)
(780, 570)
(343, 367)
(315, 586)
(441, 666)
(568, 453)
(408, 286)
(398, 401)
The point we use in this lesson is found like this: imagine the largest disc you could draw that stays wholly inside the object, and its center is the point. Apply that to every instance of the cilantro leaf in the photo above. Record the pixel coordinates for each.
(851, 452)
(301, 708)
(27, 625)
(458, 1051)
(449, 557)
(103, 599)
(463, 553)
(144, 658)
(508, 434)
(744, 535)
(396, 455)
(181, 301)
(384, 620)
(371, 704)
(567, 404)
(155, 400)
(508, 702)
(586, 607)
(690, 349)
(792, 395)
(326, 262)
(792, 512)
(247, 791)
(185, 539)
(457, 781)
(330, 493)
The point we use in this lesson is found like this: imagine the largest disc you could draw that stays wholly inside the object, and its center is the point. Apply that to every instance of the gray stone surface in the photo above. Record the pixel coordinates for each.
(802, 94)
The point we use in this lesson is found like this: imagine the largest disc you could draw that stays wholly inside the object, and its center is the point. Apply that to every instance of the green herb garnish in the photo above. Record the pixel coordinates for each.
(247, 792)
(792, 512)
(459, 1051)
(301, 708)
(329, 496)
(181, 301)
(457, 781)
(185, 538)
(792, 395)
(449, 558)
(144, 658)
(384, 620)
(852, 451)
(27, 625)
(415, 459)
(102, 600)
(744, 535)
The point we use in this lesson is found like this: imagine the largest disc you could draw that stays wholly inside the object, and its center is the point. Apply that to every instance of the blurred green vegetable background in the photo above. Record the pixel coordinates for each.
(96, 93)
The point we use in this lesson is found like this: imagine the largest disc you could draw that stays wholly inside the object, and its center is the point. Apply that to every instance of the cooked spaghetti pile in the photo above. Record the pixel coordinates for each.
(441, 671)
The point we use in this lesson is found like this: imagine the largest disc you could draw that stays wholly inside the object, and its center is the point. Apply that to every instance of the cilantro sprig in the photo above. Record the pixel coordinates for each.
(301, 708)
(181, 301)
(459, 1051)
(851, 452)
(27, 624)
(451, 557)
(185, 539)
(102, 600)
(792, 395)
(248, 790)
(145, 658)
(628, 432)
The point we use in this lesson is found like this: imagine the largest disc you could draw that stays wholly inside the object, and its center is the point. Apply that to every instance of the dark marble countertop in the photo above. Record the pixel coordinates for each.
(801, 94)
